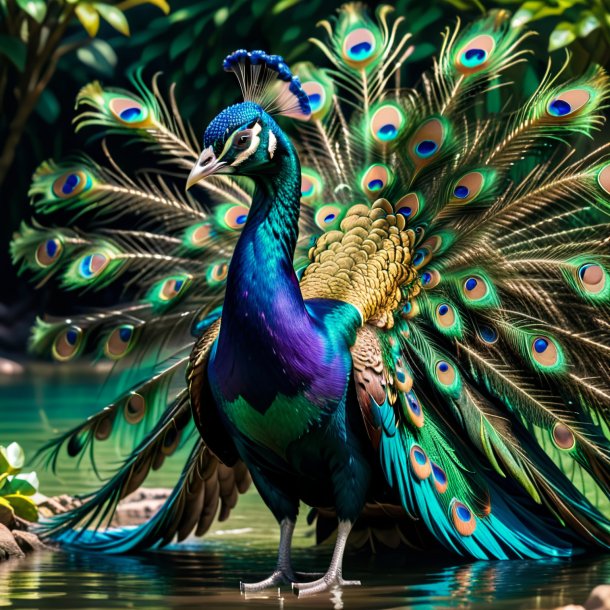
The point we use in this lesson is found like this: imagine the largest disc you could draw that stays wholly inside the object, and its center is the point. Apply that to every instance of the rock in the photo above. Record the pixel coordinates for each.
(28, 542)
(599, 598)
(135, 509)
(10, 367)
(54, 506)
(148, 493)
(7, 516)
(140, 506)
(9, 549)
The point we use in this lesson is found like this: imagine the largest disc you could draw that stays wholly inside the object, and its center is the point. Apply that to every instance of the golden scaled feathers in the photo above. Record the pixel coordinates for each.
(366, 263)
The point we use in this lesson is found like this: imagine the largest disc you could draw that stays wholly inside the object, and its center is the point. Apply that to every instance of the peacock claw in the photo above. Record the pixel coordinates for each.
(327, 582)
(277, 578)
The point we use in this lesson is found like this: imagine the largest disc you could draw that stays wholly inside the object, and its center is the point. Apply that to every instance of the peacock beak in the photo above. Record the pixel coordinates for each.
(206, 165)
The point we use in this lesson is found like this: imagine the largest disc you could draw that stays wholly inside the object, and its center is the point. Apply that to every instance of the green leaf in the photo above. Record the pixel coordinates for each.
(153, 51)
(181, 44)
(422, 50)
(193, 58)
(37, 9)
(587, 24)
(23, 506)
(127, 4)
(533, 10)
(22, 484)
(4, 465)
(48, 106)
(465, 5)
(283, 5)
(89, 18)
(562, 36)
(99, 56)
(221, 15)
(15, 50)
(114, 16)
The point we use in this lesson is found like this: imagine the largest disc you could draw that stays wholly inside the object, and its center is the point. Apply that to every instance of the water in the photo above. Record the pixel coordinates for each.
(207, 576)
(206, 573)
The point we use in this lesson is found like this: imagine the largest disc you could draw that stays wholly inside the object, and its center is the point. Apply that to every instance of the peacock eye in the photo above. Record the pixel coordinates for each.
(242, 139)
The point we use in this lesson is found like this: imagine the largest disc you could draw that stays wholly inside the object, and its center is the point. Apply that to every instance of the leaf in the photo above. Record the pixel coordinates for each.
(15, 457)
(534, 10)
(178, 16)
(562, 36)
(181, 44)
(15, 50)
(221, 15)
(48, 106)
(24, 507)
(193, 58)
(127, 4)
(587, 24)
(36, 9)
(105, 51)
(465, 5)
(99, 56)
(422, 50)
(4, 465)
(114, 16)
(22, 484)
(89, 18)
(153, 51)
(283, 5)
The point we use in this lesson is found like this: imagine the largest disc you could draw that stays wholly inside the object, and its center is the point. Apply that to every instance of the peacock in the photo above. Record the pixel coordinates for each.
(389, 297)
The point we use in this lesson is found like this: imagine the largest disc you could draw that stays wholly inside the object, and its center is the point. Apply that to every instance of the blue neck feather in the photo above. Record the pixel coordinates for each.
(268, 343)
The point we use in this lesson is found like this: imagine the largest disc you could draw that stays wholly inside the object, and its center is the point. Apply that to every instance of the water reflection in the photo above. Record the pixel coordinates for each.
(207, 574)
(209, 578)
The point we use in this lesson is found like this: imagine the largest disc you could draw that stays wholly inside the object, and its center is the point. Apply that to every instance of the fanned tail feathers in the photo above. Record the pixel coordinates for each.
(490, 373)
(474, 243)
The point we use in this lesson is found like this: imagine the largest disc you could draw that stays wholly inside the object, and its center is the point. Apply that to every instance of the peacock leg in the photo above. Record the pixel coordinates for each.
(283, 573)
(333, 577)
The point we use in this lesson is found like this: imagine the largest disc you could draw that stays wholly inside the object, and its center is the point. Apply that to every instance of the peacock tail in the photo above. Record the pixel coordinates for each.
(474, 245)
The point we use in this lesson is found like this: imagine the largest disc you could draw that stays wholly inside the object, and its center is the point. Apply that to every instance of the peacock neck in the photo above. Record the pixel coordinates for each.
(270, 345)
(264, 309)
(261, 275)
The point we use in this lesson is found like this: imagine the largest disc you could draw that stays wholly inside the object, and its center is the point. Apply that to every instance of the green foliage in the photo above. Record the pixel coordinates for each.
(564, 22)
(190, 44)
(16, 488)
(33, 40)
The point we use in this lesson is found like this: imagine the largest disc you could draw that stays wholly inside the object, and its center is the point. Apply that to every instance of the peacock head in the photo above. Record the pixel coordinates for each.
(244, 139)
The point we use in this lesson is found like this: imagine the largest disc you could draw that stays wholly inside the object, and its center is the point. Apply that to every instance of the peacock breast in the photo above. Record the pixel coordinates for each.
(272, 390)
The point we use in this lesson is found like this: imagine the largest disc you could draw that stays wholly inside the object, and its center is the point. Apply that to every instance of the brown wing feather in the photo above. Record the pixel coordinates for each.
(218, 476)
(211, 486)
(370, 377)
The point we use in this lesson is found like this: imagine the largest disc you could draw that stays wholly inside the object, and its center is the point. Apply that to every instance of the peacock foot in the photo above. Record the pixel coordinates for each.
(277, 578)
(329, 581)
